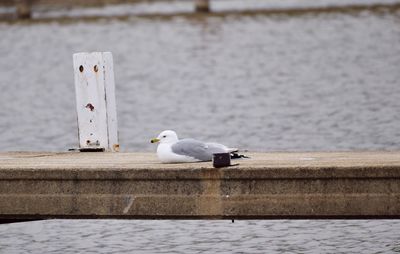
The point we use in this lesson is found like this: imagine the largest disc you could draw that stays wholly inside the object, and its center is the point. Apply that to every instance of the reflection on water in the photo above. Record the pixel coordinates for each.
(310, 82)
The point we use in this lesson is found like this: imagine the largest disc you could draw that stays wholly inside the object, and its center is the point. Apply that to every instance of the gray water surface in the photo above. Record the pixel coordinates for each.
(121, 236)
(309, 82)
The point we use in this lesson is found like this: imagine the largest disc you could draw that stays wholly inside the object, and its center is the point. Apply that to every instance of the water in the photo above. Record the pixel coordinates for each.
(309, 82)
(113, 236)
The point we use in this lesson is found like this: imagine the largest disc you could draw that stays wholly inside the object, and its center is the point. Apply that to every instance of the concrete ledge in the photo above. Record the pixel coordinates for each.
(136, 185)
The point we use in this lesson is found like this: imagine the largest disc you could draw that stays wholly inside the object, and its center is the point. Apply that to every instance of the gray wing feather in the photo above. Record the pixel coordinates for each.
(196, 149)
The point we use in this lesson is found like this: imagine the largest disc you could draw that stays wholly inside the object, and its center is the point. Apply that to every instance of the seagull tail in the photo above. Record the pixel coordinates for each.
(235, 155)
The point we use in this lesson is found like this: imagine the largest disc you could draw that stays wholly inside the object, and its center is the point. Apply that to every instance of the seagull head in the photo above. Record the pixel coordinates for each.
(167, 136)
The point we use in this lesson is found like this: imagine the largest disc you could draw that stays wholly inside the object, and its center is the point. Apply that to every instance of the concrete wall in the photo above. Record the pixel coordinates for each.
(267, 186)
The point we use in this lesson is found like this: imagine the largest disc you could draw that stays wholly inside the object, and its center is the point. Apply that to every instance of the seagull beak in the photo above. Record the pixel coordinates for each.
(154, 140)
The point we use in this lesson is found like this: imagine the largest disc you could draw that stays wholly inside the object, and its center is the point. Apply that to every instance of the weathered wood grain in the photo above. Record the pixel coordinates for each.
(95, 101)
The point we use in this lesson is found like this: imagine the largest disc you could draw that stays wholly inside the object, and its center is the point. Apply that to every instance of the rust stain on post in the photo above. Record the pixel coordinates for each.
(90, 106)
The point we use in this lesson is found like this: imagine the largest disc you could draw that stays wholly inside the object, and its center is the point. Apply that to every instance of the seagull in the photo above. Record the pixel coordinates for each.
(173, 150)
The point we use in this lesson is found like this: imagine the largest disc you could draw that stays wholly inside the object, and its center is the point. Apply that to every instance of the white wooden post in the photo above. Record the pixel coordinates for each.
(95, 101)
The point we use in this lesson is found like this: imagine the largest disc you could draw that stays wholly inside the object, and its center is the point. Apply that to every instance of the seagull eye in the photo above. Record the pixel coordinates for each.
(164, 136)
